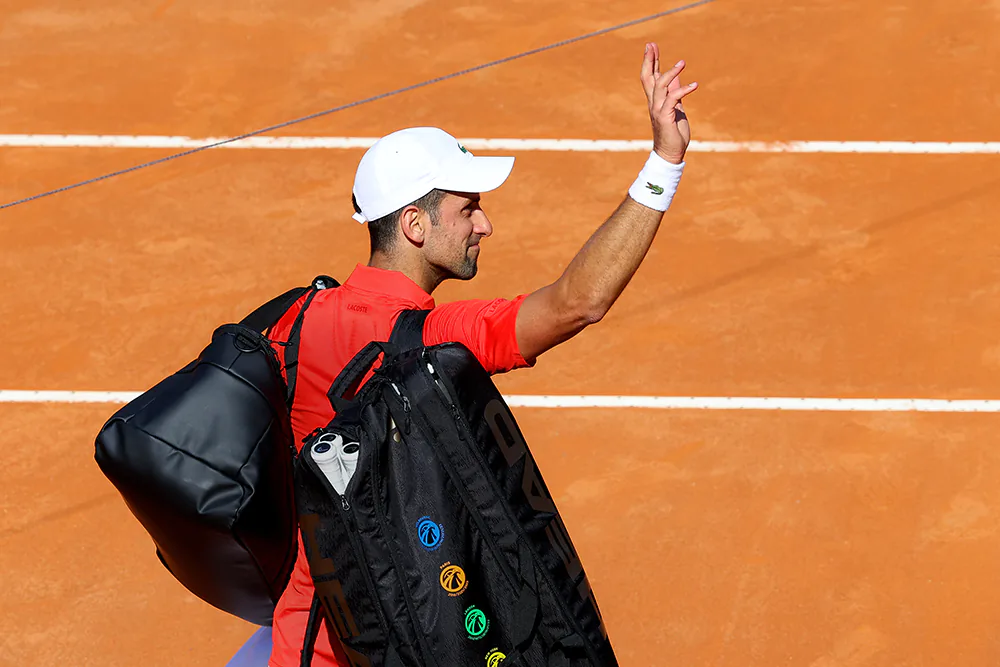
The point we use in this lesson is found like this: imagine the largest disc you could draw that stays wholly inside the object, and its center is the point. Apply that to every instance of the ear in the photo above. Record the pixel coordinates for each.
(413, 222)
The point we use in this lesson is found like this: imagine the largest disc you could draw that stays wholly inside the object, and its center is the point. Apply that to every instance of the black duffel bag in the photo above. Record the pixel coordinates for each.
(204, 461)
(445, 548)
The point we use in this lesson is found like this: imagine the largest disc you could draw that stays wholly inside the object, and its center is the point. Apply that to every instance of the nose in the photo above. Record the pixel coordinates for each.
(481, 224)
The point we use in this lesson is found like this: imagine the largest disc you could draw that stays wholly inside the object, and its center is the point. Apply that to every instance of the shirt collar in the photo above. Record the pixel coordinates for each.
(389, 283)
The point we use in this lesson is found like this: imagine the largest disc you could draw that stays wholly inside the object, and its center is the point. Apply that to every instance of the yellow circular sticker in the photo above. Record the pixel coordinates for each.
(494, 658)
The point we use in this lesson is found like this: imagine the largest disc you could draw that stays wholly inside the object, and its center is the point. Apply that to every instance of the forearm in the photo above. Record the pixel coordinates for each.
(604, 266)
(598, 274)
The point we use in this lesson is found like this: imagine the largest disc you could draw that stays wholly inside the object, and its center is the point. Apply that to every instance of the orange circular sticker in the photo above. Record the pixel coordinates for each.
(453, 579)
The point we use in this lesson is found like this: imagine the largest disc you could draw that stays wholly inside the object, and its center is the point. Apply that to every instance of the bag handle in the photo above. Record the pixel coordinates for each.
(407, 334)
(355, 370)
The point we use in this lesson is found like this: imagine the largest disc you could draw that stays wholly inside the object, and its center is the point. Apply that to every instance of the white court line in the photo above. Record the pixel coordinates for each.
(563, 145)
(16, 396)
(647, 402)
(757, 403)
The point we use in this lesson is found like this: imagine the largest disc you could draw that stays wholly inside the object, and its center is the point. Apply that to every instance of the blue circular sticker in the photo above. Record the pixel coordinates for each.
(430, 534)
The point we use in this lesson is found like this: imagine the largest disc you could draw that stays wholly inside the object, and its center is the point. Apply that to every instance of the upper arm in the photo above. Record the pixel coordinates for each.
(505, 335)
(486, 327)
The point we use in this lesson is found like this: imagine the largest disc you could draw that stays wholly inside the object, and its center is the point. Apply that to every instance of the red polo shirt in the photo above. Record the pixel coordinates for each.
(337, 325)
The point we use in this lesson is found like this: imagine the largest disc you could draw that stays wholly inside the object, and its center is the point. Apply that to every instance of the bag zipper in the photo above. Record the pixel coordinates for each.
(474, 512)
(542, 573)
(393, 555)
(347, 517)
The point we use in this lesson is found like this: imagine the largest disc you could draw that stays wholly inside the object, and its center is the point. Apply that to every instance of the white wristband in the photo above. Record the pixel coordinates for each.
(657, 183)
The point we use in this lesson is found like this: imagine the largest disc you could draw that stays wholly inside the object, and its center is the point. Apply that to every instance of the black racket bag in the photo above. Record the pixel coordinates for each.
(445, 548)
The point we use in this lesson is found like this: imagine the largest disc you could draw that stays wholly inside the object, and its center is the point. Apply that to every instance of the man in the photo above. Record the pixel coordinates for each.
(419, 191)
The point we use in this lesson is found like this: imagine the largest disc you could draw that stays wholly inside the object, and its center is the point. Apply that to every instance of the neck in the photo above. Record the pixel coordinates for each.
(413, 268)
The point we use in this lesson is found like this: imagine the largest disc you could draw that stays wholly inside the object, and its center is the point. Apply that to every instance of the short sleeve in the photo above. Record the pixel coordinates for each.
(487, 327)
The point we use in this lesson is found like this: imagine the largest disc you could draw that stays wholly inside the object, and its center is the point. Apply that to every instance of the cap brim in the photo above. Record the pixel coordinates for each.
(480, 174)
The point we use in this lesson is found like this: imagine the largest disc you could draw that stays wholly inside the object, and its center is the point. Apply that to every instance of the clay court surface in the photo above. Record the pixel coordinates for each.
(723, 538)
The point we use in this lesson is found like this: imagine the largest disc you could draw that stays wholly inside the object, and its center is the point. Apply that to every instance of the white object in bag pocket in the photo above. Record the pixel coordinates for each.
(336, 459)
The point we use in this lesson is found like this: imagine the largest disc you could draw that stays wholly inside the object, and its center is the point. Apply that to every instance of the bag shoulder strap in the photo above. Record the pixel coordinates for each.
(267, 315)
(316, 617)
(292, 344)
(408, 332)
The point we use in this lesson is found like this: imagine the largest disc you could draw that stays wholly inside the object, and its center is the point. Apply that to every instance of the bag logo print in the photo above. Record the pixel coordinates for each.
(476, 623)
(511, 442)
(430, 534)
(494, 658)
(453, 579)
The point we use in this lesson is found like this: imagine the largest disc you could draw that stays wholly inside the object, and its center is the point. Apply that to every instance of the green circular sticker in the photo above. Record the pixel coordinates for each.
(476, 623)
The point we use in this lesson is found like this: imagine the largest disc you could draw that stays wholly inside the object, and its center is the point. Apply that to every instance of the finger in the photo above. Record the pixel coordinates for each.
(663, 84)
(674, 97)
(646, 74)
(674, 84)
(656, 58)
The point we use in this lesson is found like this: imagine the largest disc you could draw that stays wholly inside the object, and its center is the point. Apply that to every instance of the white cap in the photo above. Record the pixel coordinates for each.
(402, 167)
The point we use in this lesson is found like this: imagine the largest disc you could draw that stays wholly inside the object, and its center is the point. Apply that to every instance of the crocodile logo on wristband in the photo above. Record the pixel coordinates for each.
(655, 189)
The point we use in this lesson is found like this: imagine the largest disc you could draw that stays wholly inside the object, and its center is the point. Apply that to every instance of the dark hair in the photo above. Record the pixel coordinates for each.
(382, 232)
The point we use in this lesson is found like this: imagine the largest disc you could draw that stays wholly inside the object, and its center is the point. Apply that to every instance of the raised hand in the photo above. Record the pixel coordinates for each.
(664, 92)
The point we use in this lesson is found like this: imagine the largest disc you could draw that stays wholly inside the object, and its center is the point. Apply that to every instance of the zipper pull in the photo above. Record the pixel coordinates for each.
(406, 409)
(406, 402)
(313, 434)
(346, 505)
(457, 416)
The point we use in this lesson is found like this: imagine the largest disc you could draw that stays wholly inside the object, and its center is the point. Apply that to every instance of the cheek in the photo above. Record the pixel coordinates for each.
(451, 237)
(442, 243)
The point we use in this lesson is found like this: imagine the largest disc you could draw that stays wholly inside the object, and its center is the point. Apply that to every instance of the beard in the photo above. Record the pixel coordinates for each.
(467, 268)
(455, 264)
